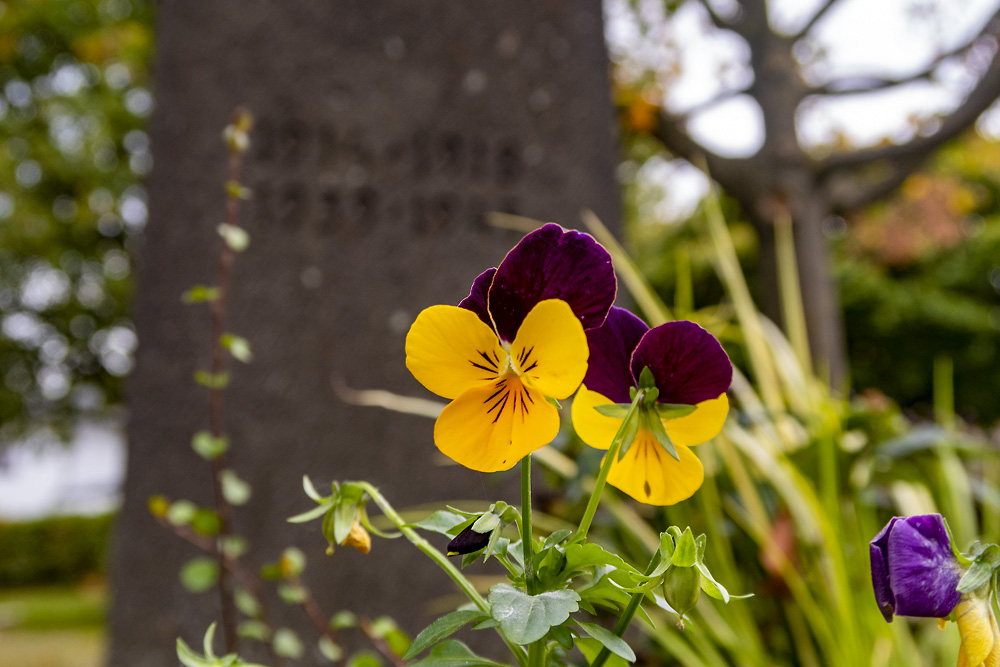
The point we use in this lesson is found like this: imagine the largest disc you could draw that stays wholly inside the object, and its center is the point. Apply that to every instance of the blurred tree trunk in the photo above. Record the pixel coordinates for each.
(782, 178)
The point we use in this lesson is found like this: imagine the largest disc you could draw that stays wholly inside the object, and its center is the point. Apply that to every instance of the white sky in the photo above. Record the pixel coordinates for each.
(887, 38)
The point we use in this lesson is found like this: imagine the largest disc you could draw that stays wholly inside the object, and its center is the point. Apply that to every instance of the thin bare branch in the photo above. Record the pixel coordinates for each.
(820, 13)
(709, 103)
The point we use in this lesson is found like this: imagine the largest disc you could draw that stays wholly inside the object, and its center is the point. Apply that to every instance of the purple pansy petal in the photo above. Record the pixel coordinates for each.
(611, 346)
(688, 363)
(922, 570)
(880, 571)
(477, 299)
(551, 263)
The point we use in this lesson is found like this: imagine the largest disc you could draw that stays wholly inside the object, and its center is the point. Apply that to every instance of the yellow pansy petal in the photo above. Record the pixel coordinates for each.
(551, 349)
(650, 475)
(701, 425)
(975, 627)
(593, 428)
(492, 427)
(449, 350)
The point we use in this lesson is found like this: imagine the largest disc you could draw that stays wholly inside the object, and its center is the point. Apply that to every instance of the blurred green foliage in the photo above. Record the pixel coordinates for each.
(74, 99)
(56, 550)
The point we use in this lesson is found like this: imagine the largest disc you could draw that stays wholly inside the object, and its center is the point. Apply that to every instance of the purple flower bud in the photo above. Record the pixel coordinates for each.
(468, 542)
(914, 572)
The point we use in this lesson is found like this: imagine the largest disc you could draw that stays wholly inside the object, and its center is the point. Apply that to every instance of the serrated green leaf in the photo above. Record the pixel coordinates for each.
(286, 643)
(309, 515)
(526, 618)
(453, 653)
(234, 489)
(199, 574)
(609, 640)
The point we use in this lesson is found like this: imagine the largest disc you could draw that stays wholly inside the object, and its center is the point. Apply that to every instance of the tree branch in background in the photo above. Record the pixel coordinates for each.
(816, 18)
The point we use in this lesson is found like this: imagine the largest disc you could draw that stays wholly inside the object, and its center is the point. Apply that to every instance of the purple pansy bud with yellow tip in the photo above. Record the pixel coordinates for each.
(516, 341)
(692, 374)
(914, 571)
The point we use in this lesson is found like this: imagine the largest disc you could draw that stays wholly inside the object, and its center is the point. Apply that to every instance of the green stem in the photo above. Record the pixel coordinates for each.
(442, 561)
(602, 476)
(527, 548)
(628, 614)
(536, 653)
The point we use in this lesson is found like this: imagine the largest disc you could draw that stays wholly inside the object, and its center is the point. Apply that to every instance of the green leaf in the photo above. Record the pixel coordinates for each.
(591, 647)
(181, 512)
(526, 618)
(235, 237)
(674, 410)
(200, 294)
(206, 522)
(246, 603)
(206, 379)
(609, 640)
(291, 594)
(238, 346)
(583, 556)
(554, 402)
(199, 574)
(441, 522)
(329, 650)
(685, 551)
(309, 515)
(207, 447)
(208, 640)
(660, 433)
(562, 635)
(364, 659)
(254, 630)
(234, 489)
(453, 653)
(343, 619)
(286, 643)
(557, 537)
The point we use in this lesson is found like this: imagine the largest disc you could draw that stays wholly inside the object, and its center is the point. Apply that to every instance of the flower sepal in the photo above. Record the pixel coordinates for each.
(345, 520)
(983, 560)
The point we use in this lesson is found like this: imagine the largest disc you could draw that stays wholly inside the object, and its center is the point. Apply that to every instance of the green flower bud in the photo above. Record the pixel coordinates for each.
(681, 588)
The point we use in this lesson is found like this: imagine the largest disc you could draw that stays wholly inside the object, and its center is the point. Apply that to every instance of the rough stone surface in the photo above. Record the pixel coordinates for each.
(385, 130)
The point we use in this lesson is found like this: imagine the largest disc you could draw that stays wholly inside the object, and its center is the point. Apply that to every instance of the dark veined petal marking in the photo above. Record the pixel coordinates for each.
(688, 363)
(923, 572)
(611, 346)
(552, 263)
(476, 301)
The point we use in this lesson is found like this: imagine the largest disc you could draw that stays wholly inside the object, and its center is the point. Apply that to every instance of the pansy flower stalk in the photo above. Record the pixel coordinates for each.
(515, 342)
(650, 395)
(916, 571)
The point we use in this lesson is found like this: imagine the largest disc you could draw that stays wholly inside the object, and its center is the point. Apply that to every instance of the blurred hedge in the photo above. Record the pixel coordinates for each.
(54, 550)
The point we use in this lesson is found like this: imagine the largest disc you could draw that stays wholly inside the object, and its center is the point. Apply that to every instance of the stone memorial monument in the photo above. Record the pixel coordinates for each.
(385, 132)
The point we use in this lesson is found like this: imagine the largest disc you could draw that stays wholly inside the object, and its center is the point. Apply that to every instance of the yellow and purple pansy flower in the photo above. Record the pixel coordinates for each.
(691, 372)
(515, 342)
